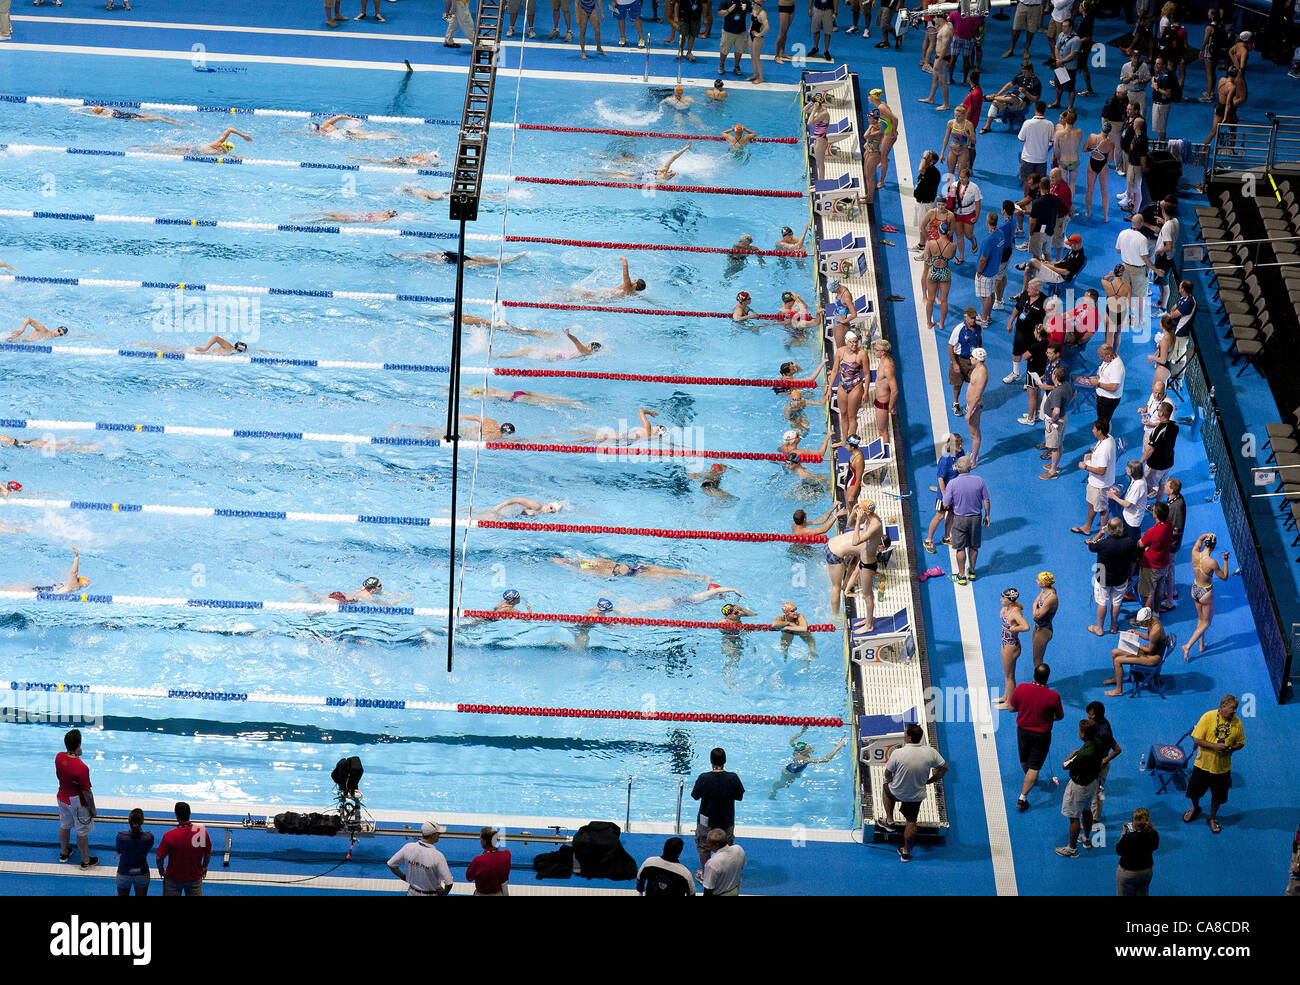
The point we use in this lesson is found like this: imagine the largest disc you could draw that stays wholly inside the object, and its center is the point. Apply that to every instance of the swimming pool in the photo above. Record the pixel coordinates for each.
(272, 751)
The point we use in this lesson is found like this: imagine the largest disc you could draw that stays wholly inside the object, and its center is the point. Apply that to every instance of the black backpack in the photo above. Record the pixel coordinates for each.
(600, 853)
(554, 865)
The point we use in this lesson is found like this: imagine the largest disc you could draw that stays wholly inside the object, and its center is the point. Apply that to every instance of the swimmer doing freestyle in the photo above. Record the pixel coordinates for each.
(38, 332)
(617, 569)
(109, 113)
(527, 507)
(405, 160)
(482, 428)
(450, 256)
(331, 128)
(222, 346)
(345, 218)
(581, 349)
(222, 145)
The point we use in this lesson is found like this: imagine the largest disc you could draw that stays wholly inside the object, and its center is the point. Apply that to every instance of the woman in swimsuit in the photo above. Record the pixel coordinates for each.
(589, 10)
(1100, 148)
(850, 372)
(785, 11)
(801, 758)
(958, 141)
(1044, 612)
(615, 569)
(108, 113)
(842, 552)
(1065, 147)
(757, 33)
(1204, 568)
(889, 127)
(819, 121)
(419, 159)
(871, 156)
(527, 507)
(938, 276)
(1119, 295)
(711, 481)
(1164, 349)
(75, 582)
(344, 218)
(222, 145)
(857, 465)
(1012, 616)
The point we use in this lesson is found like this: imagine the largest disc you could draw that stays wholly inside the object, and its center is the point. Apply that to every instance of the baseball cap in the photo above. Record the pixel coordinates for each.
(1074, 239)
(1244, 36)
(431, 827)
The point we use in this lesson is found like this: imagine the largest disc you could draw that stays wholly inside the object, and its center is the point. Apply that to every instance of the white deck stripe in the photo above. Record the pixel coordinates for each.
(986, 751)
(222, 57)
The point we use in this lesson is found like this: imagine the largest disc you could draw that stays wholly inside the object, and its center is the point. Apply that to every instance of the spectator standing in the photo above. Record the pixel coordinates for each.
(1109, 382)
(76, 802)
(1114, 570)
(1029, 13)
(490, 871)
(1158, 453)
(946, 471)
(822, 15)
(183, 855)
(1131, 245)
(1184, 310)
(967, 496)
(910, 768)
(1055, 412)
(1135, 849)
(717, 791)
(427, 873)
(561, 8)
(1177, 523)
(1135, 76)
(1164, 84)
(1036, 135)
(735, 21)
(1096, 712)
(664, 875)
(1153, 563)
(462, 18)
(1084, 765)
(133, 846)
(926, 189)
(964, 199)
(1217, 735)
(986, 270)
(530, 16)
(1030, 312)
(1043, 217)
(1132, 505)
(1087, 17)
(1137, 167)
(1099, 463)
(720, 875)
(1037, 707)
(1007, 226)
(1066, 59)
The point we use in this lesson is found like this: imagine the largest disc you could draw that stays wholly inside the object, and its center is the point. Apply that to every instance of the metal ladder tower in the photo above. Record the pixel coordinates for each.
(466, 188)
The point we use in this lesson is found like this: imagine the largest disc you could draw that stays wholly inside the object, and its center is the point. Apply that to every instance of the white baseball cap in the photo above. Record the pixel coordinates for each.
(431, 827)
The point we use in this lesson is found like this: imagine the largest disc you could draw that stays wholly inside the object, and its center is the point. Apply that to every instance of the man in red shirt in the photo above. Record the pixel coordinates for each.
(183, 856)
(491, 870)
(1036, 706)
(1153, 562)
(1061, 189)
(76, 802)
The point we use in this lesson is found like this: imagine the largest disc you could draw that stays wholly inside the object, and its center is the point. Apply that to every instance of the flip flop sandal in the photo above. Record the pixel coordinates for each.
(888, 242)
(888, 229)
(1214, 825)
(1191, 814)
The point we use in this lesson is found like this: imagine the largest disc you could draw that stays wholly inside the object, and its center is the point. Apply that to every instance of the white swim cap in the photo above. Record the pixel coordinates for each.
(979, 355)
(790, 436)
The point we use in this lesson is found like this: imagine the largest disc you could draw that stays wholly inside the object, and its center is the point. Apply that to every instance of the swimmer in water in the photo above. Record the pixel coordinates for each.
(616, 569)
(510, 602)
(719, 92)
(481, 428)
(368, 594)
(664, 172)
(44, 444)
(424, 194)
(696, 598)
(222, 145)
(450, 256)
(38, 332)
(524, 397)
(738, 137)
(74, 583)
(222, 346)
(527, 507)
(742, 310)
(109, 113)
(331, 128)
(678, 100)
(344, 218)
(800, 759)
(406, 160)
(582, 349)
(627, 288)
(791, 622)
(7, 266)
(642, 432)
(795, 406)
(787, 240)
(711, 481)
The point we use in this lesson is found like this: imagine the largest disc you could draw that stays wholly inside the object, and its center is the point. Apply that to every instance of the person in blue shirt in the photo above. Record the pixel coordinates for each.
(735, 25)
(987, 266)
(947, 471)
(1006, 226)
(133, 848)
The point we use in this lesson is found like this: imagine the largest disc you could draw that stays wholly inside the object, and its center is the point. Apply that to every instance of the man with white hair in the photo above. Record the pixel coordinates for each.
(426, 872)
(967, 496)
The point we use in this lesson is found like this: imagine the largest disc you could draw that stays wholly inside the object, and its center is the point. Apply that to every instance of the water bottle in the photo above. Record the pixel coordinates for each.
(1056, 781)
(1142, 763)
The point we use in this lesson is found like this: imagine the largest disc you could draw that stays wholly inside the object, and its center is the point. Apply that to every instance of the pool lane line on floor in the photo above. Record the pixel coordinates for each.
(995, 811)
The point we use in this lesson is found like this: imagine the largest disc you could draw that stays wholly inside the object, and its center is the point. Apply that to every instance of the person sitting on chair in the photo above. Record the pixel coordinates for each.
(1149, 652)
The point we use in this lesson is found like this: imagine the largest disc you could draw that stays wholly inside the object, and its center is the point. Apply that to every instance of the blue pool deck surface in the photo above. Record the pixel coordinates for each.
(1028, 533)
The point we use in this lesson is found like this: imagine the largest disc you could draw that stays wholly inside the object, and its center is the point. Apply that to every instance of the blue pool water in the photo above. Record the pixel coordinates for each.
(274, 752)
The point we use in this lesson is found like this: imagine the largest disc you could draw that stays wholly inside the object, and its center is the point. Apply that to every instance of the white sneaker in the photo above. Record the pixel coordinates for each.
(999, 305)
(1011, 378)
(1025, 418)
(510, 32)
(1023, 247)
(982, 322)
(532, 33)
(553, 35)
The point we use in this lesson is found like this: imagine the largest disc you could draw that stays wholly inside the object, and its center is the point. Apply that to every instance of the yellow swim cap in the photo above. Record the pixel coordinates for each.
(227, 145)
(878, 93)
(1046, 579)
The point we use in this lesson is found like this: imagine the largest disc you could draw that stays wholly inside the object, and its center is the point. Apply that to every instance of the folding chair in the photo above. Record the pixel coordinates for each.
(1150, 677)
(1168, 764)
(826, 81)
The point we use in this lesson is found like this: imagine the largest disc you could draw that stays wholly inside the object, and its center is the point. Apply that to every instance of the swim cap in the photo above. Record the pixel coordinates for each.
(801, 746)
(13, 486)
(853, 441)
(979, 355)
(789, 607)
(227, 145)
(1105, 127)
(943, 228)
(511, 595)
(1144, 614)
(604, 605)
(792, 456)
(790, 436)
(867, 504)
(787, 296)
(717, 467)
(1046, 579)
(370, 584)
(727, 609)
(83, 581)
(787, 231)
(717, 83)
(878, 93)
(743, 296)
(714, 584)
(595, 347)
(507, 428)
(241, 347)
(61, 330)
(850, 336)
(1210, 542)
(553, 507)
(1010, 595)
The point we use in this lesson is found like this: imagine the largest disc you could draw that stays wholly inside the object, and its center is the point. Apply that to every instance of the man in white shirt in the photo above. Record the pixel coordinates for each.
(1100, 466)
(911, 768)
(1036, 134)
(1131, 245)
(721, 873)
(426, 872)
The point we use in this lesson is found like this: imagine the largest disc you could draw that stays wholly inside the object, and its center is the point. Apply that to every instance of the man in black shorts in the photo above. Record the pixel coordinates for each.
(911, 768)
(1036, 706)
(689, 13)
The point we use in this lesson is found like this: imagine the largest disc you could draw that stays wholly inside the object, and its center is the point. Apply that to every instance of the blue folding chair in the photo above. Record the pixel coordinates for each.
(1151, 677)
(1168, 764)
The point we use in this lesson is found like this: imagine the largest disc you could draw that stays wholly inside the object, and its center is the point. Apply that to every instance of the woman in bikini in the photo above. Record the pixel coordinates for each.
(1065, 148)
(819, 122)
(1044, 611)
(589, 10)
(1119, 295)
(850, 373)
(1164, 349)
(937, 280)
(879, 110)
(958, 141)
(1012, 616)
(871, 157)
(1100, 148)
(1204, 568)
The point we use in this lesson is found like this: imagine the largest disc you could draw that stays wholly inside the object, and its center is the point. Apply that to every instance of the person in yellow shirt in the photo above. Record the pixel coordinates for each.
(1217, 736)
